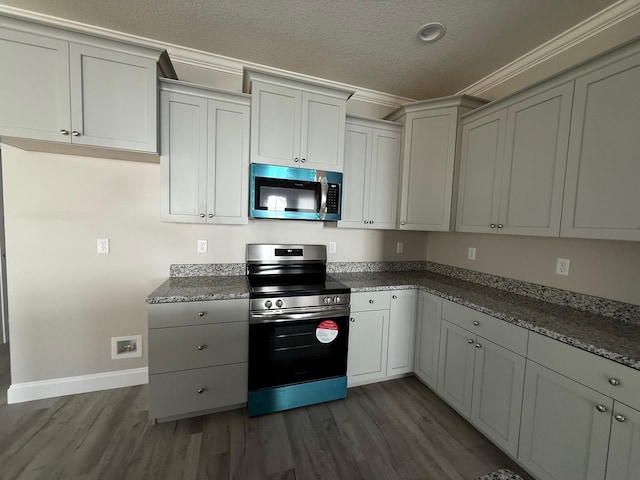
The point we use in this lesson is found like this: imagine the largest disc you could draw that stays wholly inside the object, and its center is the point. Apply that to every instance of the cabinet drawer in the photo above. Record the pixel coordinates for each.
(198, 313)
(586, 368)
(176, 393)
(363, 301)
(197, 346)
(498, 331)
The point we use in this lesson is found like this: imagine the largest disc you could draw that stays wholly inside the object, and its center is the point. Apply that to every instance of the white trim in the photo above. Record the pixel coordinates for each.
(57, 387)
(600, 22)
(200, 58)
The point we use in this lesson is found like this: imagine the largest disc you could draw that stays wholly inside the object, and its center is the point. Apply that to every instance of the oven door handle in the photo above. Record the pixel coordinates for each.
(309, 313)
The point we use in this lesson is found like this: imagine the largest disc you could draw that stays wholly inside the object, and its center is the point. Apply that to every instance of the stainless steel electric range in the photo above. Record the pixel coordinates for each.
(298, 328)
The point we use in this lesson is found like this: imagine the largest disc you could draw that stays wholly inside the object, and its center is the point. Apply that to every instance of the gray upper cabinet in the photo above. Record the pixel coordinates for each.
(602, 193)
(428, 161)
(296, 123)
(204, 154)
(66, 87)
(513, 163)
(371, 169)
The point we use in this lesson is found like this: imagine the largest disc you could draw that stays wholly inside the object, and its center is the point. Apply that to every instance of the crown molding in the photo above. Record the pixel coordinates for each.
(201, 59)
(595, 25)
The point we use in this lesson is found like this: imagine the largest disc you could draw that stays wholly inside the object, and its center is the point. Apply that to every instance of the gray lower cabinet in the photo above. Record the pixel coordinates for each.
(204, 154)
(402, 325)
(624, 446)
(565, 427)
(481, 378)
(198, 357)
(427, 347)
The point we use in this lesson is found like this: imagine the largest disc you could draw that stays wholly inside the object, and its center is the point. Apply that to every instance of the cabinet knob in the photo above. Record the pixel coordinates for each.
(64, 132)
(493, 225)
(353, 320)
(500, 225)
(211, 215)
(601, 408)
(614, 381)
(201, 314)
(470, 341)
(202, 215)
(75, 133)
(303, 160)
(366, 221)
(371, 222)
(478, 345)
(371, 301)
(620, 418)
(476, 323)
(201, 390)
(395, 297)
(296, 159)
(403, 223)
(202, 347)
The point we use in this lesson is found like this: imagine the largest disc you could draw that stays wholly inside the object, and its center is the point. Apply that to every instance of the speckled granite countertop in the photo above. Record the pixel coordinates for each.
(603, 336)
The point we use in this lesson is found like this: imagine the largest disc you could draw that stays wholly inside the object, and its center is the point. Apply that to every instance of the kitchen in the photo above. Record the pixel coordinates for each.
(66, 333)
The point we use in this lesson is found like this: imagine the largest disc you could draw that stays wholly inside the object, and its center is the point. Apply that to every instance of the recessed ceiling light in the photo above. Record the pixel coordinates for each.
(431, 32)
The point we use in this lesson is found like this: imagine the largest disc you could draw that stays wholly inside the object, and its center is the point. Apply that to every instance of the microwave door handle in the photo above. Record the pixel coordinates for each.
(324, 189)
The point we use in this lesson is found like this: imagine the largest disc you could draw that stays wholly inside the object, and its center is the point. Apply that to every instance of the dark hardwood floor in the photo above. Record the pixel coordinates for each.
(390, 430)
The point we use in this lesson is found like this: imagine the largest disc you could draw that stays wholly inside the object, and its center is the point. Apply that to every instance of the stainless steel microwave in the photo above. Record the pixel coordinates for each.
(294, 193)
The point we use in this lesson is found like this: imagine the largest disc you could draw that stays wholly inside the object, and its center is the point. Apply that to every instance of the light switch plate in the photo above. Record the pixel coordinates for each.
(472, 253)
(399, 247)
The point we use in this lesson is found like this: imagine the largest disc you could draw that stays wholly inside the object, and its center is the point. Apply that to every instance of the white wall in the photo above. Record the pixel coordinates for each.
(66, 301)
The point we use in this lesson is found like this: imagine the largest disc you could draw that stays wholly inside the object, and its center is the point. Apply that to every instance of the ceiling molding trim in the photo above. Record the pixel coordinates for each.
(591, 27)
(200, 58)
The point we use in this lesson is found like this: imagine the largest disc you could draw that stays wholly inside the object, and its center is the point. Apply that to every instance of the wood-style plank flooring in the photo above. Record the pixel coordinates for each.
(391, 430)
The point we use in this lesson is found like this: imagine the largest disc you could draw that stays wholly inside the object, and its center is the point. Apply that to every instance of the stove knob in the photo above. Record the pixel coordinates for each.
(336, 299)
(279, 303)
(268, 304)
(326, 299)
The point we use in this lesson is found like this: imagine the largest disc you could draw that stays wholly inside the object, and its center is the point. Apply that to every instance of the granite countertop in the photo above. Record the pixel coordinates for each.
(607, 337)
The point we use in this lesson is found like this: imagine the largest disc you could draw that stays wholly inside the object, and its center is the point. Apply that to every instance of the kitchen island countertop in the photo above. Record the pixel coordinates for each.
(607, 337)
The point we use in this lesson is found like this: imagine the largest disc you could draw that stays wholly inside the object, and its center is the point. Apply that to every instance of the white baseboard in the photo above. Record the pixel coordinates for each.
(57, 387)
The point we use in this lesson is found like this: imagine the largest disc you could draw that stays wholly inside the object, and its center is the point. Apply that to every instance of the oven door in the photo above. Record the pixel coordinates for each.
(297, 350)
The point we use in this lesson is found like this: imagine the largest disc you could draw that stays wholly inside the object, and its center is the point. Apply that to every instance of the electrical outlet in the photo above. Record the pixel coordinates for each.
(126, 347)
(399, 247)
(332, 247)
(562, 266)
(202, 246)
(103, 245)
(472, 253)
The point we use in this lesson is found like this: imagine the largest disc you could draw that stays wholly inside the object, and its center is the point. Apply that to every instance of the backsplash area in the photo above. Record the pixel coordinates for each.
(602, 306)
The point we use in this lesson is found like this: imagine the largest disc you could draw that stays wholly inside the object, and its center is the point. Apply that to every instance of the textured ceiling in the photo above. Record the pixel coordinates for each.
(366, 43)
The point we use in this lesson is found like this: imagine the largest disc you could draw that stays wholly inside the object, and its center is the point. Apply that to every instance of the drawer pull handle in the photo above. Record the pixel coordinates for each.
(201, 314)
(395, 297)
(476, 324)
(202, 347)
(614, 381)
(620, 418)
(201, 390)
(601, 408)
(353, 320)
(470, 341)
(371, 301)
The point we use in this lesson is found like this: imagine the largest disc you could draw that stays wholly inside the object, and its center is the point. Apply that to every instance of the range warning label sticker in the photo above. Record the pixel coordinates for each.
(327, 331)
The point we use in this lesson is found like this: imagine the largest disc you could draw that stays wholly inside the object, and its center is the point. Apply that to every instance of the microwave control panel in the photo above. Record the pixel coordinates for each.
(333, 198)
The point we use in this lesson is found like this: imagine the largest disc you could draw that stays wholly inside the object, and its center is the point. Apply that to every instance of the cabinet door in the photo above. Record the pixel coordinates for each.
(496, 406)
(368, 339)
(34, 87)
(275, 124)
(228, 167)
(402, 325)
(624, 447)
(455, 366)
(427, 173)
(564, 435)
(183, 157)
(480, 163)
(602, 198)
(535, 163)
(113, 99)
(383, 197)
(427, 347)
(322, 132)
(355, 181)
